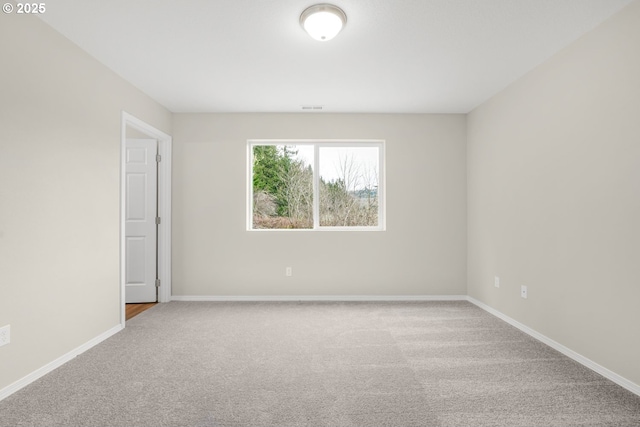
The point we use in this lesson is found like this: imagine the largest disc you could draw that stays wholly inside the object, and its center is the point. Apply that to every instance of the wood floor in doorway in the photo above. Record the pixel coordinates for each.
(132, 310)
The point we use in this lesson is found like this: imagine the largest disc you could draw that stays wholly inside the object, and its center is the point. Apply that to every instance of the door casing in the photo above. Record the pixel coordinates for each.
(164, 207)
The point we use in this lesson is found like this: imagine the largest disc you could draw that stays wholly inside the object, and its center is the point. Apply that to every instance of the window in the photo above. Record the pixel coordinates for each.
(315, 185)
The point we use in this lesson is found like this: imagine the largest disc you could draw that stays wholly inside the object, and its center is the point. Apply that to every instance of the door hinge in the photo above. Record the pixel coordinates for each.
(158, 158)
(157, 283)
(158, 220)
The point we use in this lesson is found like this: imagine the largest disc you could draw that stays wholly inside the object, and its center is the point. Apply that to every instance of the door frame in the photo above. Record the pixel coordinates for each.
(164, 207)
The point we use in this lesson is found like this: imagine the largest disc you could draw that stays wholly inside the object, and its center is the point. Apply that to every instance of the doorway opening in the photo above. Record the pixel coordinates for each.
(134, 128)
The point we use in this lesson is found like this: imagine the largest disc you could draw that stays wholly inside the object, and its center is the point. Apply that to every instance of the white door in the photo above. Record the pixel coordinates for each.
(141, 183)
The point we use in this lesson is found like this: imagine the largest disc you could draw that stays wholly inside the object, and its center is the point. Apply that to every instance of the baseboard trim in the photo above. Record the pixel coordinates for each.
(610, 375)
(267, 298)
(39, 373)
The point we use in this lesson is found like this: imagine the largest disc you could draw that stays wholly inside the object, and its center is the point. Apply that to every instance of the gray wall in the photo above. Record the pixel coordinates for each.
(554, 197)
(423, 250)
(59, 193)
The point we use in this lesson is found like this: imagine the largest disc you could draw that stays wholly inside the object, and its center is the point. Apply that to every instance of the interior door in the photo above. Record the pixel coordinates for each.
(141, 184)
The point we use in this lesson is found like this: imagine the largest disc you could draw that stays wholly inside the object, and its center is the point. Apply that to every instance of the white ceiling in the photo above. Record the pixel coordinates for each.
(405, 56)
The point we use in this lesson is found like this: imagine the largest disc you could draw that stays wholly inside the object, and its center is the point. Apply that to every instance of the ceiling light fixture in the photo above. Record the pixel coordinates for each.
(323, 21)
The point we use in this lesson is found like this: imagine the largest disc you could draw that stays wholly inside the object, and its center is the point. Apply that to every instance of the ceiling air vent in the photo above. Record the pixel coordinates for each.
(312, 107)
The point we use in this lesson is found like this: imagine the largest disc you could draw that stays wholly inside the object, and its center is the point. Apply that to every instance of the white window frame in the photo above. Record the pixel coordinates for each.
(317, 144)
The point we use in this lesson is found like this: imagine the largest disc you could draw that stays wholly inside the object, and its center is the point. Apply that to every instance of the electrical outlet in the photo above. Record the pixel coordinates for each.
(288, 272)
(5, 335)
(523, 291)
(496, 281)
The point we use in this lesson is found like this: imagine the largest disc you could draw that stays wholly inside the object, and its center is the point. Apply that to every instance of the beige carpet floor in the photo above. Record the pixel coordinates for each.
(319, 364)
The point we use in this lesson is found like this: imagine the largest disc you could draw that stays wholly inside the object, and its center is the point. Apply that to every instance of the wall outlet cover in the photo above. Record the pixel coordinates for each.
(5, 335)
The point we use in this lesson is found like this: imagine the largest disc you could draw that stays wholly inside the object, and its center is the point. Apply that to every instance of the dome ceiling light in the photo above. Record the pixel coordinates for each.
(323, 21)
